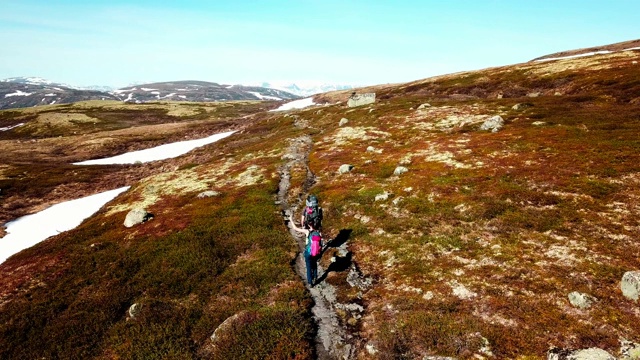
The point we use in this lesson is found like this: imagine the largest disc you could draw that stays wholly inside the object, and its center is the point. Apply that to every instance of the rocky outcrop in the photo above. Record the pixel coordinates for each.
(361, 99)
(584, 354)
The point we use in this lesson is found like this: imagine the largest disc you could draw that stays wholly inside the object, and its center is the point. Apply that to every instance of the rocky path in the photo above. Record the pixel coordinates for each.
(332, 340)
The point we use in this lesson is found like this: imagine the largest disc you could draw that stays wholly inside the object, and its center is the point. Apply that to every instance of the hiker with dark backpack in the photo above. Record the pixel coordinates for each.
(311, 213)
(312, 249)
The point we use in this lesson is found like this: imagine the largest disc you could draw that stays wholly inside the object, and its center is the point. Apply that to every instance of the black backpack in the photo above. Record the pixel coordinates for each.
(312, 213)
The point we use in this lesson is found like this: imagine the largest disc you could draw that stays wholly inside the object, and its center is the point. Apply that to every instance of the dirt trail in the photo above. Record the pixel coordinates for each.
(332, 340)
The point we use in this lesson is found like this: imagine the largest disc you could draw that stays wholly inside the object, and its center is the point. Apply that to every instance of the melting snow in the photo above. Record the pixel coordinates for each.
(32, 229)
(10, 127)
(52, 94)
(297, 104)
(161, 152)
(148, 89)
(182, 96)
(18, 93)
(263, 97)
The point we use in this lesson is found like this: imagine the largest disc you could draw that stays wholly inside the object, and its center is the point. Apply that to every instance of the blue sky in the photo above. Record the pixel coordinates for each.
(117, 43)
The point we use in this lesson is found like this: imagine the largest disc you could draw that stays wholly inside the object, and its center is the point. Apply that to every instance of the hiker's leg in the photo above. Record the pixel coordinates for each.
(308, 261)
(314, 268)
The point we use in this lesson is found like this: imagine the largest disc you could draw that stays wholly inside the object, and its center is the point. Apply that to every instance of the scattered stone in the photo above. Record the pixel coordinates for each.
(382, 197)
(371, 110)
(400, 170)
(134, 310)
(371, 349)
(538, 123)
(227, 324)
(397, 200)
(438, 358)
(630, 285)
(345, 168)
(428, 295)
(371, 149)
(533, 94)
(356, 279)
(494, 124)
(557, 93)
(208, 193)
(580, 300)
(521, 106)
(584, 354)
(136, 216)
(500, 96)
(425, 105)
(343, 121)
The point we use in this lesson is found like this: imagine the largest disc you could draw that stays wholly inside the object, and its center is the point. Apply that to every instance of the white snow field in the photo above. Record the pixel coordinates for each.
(296, 104)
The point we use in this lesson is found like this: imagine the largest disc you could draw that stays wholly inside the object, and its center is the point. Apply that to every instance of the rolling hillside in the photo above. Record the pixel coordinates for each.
(472, 209)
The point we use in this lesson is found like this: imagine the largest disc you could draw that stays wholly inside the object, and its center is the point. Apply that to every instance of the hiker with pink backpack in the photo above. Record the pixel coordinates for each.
(313, 246)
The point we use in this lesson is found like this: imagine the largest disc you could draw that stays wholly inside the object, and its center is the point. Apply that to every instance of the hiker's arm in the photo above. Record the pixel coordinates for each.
(294, 227)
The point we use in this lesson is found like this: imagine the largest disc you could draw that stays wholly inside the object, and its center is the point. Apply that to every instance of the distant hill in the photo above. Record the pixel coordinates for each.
(305, 90)
(21, 92)
(24, 92)
(625, 45)
(191, 90)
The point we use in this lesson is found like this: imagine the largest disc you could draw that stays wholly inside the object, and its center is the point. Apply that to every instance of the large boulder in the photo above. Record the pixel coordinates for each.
(345, 168)
(136, 216)
(630, 285)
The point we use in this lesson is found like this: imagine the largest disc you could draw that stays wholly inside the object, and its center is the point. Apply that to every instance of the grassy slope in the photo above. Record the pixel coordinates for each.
(518, 218)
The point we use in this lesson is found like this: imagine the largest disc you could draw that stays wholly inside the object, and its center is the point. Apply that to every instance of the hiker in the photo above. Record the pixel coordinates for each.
(312, 249)
(312, 212)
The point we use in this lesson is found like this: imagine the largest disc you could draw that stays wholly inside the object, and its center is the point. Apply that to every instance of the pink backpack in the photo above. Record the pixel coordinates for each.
(316, 243)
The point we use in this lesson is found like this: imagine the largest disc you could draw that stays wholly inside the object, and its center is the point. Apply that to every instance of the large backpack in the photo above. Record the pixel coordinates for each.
(312, 213)
(315, 243)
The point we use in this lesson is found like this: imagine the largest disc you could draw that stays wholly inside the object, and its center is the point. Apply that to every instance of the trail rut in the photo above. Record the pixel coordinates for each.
(332, 340)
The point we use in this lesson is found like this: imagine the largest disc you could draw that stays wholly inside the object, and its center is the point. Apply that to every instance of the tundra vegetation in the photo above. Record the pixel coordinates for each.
(472, 249)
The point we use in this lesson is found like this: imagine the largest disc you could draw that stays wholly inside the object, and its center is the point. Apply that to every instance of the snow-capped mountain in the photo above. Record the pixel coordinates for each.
(190, 90)
(306, 89)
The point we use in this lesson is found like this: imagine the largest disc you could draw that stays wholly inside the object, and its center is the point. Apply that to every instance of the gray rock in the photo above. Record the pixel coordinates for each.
(533, 94)
(425, 105)
(136, 216)
(630, 285)
(400, 170)
(371, 149)
(494, 123)
(134, 310)
(584, 354)
(345, 168)
(361, 99)
(521, 106)
(538, 123)
(371, 349)
(343, 121)
(580, 300)
(228, 323)
(208, 193)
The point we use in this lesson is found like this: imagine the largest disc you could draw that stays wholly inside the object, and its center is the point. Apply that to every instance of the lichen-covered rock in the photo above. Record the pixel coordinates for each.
(630, 285)
(345, 168)
(580, 300)
(343, 121)
(136, 216)
(629, 350)
(494, 123)
(584, 354)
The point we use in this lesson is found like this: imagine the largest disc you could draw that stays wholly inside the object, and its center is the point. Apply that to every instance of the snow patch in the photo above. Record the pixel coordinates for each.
(32, 229)
(148, 89)
(18, 93)
(263, 97)
(297, 104)
(10, 127)
(52, 94)
(161, 152)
